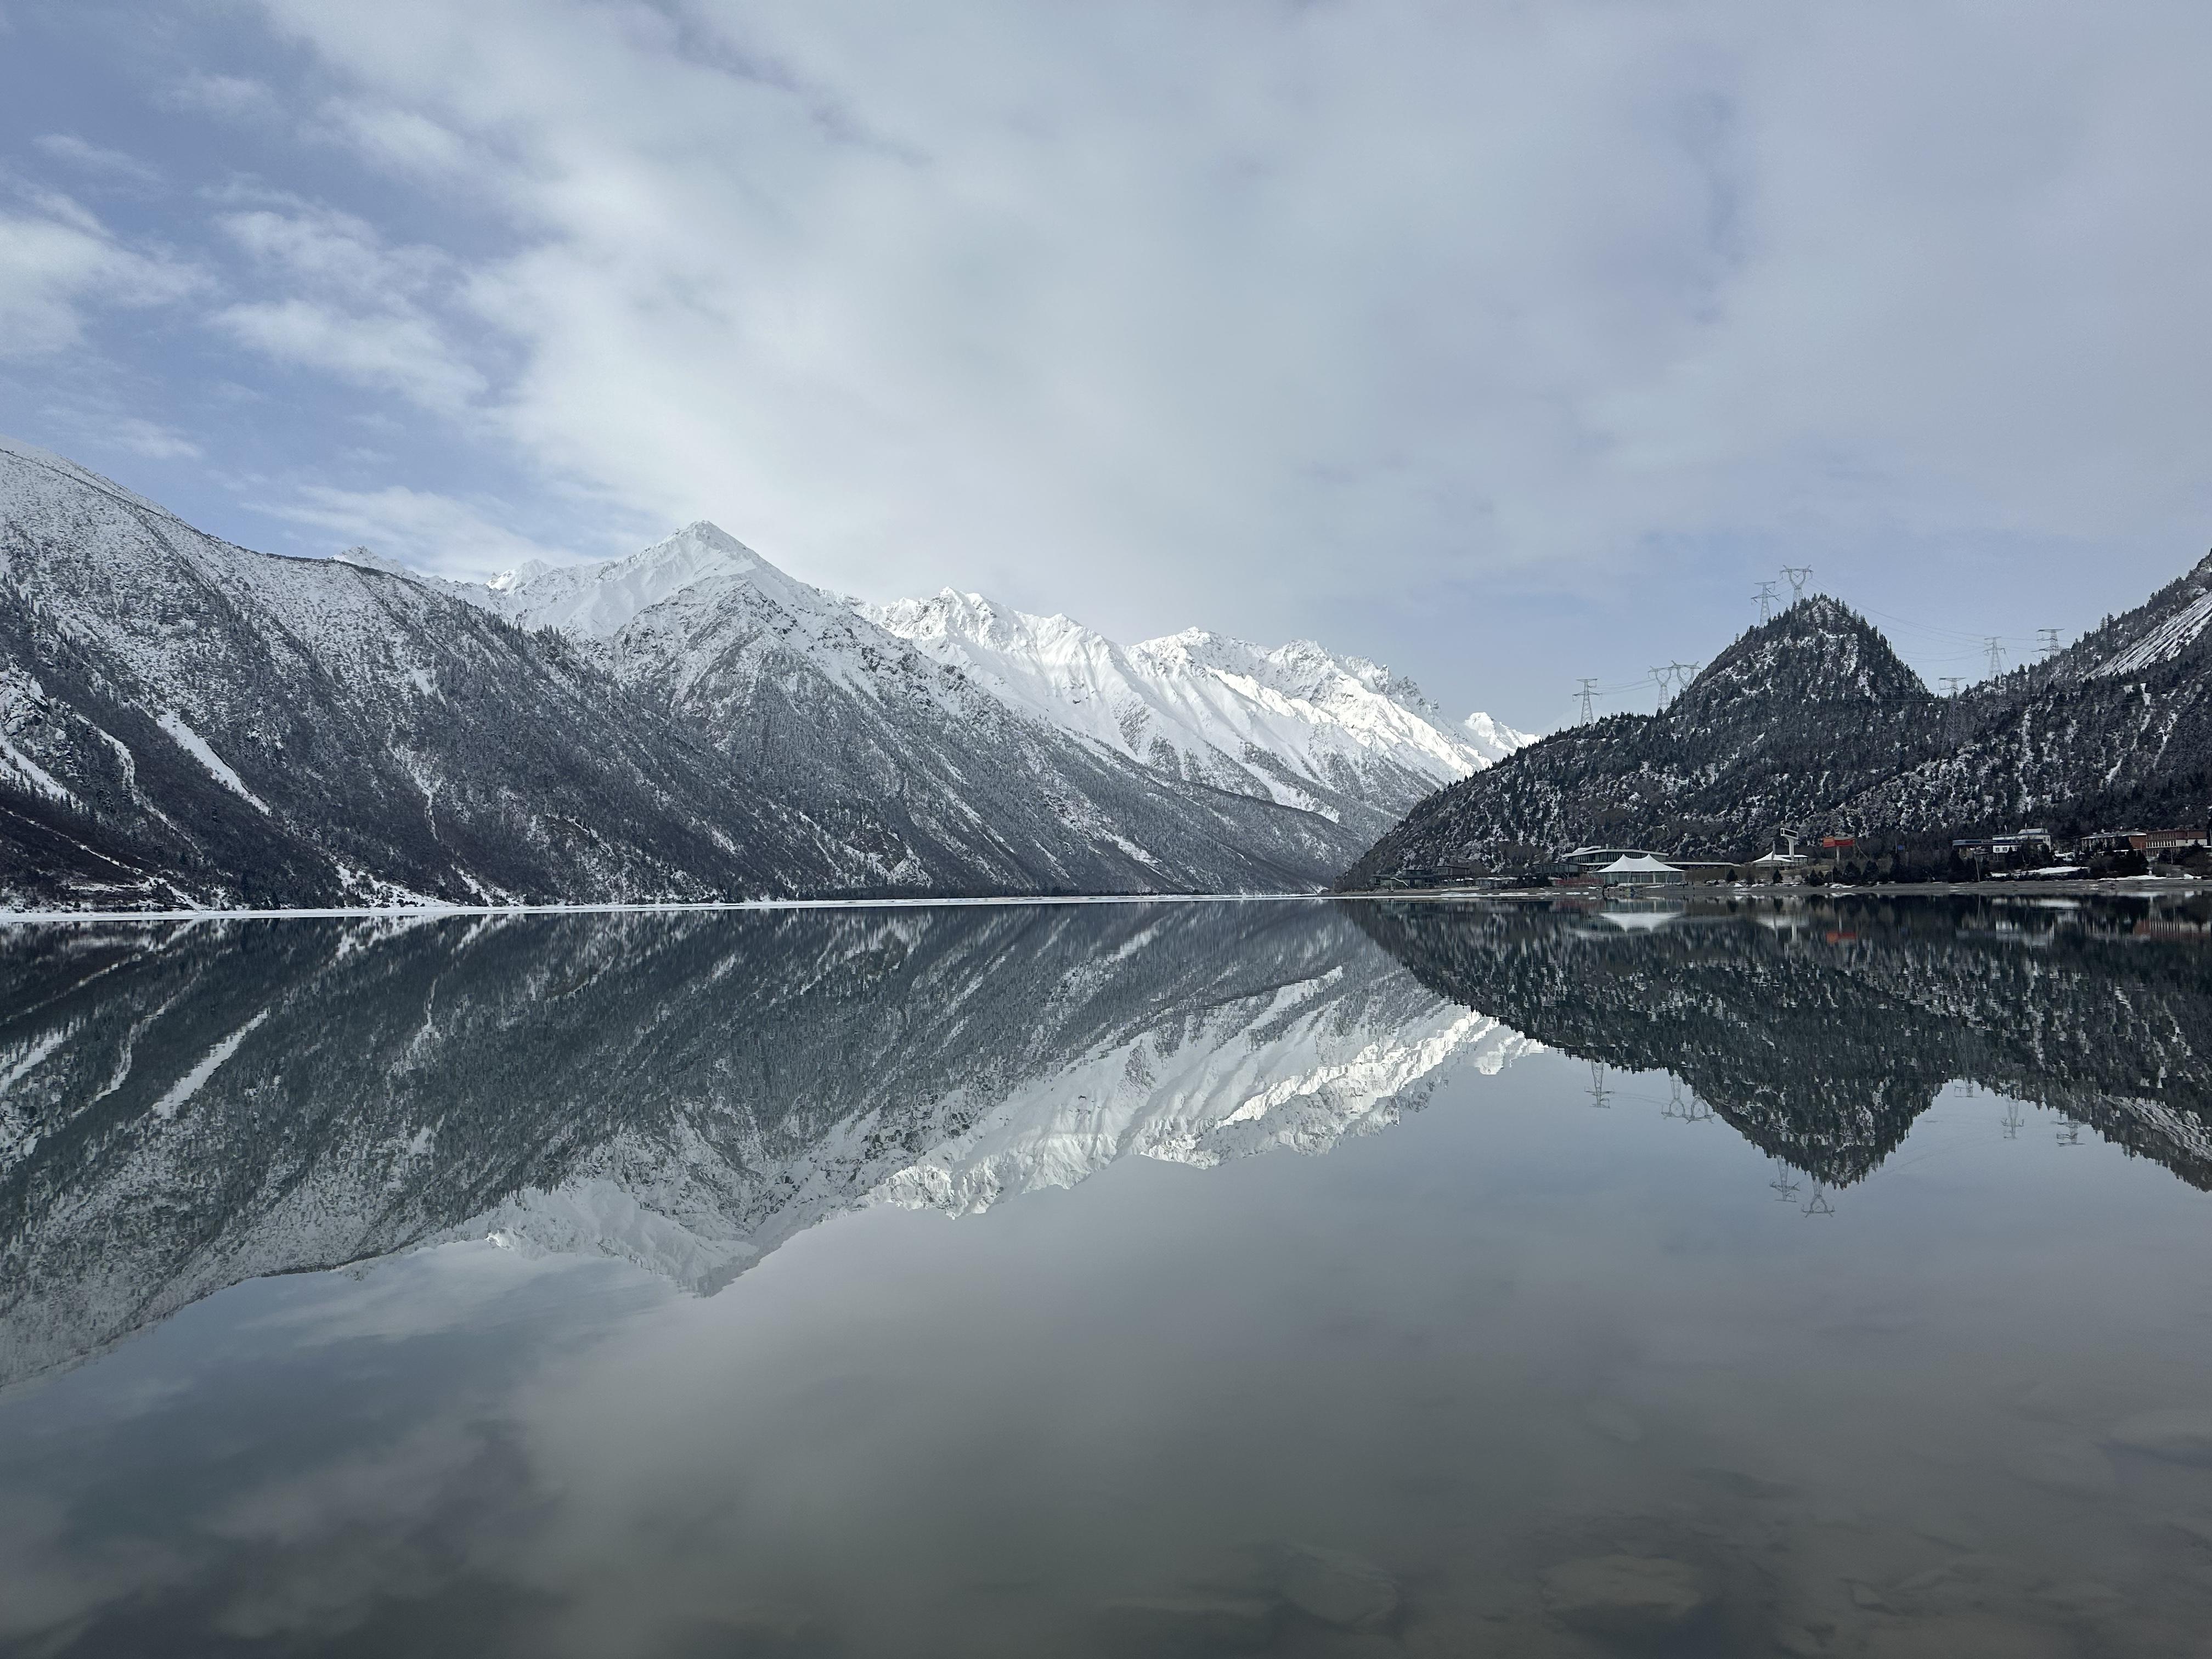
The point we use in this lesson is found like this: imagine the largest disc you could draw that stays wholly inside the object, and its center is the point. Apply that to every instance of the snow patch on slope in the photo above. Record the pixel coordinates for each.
(2164, 642)
(195, 746)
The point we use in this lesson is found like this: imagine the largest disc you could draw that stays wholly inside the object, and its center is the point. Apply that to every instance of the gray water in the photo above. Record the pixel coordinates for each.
(1302, 1278)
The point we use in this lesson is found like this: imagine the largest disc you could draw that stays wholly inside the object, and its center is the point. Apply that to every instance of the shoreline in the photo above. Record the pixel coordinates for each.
(430, 912)
(2103, 887)
(2111, 887)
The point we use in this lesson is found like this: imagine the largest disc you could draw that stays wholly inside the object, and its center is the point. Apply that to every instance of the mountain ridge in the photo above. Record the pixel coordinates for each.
(1810, 724)
(185, 723)
(1297, 723)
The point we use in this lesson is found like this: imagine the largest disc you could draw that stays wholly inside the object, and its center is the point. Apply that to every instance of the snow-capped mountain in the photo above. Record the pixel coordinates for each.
(184, 722)
(1339, 736)
(943, 784)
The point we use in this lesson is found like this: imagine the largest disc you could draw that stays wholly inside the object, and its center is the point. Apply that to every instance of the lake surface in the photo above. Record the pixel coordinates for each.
(1318, 1279)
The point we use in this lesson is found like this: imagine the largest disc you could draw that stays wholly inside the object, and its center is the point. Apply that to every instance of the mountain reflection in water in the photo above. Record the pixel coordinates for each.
(1819, 1036)
(1512, 1377)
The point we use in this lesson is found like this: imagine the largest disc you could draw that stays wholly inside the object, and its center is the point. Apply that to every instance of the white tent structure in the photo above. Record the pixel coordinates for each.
(1640, 870)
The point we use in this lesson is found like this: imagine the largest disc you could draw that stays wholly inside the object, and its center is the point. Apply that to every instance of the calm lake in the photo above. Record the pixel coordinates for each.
(1303, 1278)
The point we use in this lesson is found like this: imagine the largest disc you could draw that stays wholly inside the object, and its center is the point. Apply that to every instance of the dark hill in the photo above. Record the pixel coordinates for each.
(1799, 717)
(1810, 724)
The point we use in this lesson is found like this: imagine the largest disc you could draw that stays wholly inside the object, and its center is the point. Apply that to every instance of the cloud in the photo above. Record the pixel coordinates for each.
(321, 247)
(404, 139)
(398, 354)
(229, 97)
(468, 540)
(349, 305)
(68, 147)
(150, 439)
(58, 261)
(1526, 285)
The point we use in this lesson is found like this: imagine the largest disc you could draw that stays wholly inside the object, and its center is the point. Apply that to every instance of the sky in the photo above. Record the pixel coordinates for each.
(1505, 343)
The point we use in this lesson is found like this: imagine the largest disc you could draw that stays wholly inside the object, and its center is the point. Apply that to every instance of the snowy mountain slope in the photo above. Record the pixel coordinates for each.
(182, 1108)
(1335, 735)
(185, 720)
(946, 787)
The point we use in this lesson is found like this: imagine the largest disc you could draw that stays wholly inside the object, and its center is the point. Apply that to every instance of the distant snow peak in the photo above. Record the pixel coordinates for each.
(598, 599)
(508, 581)
(1494, 739)
(1296, 724)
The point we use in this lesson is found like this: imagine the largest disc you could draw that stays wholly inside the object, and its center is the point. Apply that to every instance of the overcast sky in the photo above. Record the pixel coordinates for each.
(1505, 343)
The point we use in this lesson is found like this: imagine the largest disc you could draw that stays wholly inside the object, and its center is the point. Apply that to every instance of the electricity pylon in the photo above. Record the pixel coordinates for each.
(1589, 690)
(1600, 1095)
(1765, 598)
(1996, 649)
(1797, 575)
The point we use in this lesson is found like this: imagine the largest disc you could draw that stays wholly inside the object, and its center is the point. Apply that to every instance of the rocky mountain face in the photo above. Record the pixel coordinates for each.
(1810, 724)
(187, 723)
(1822, 1038)
(183, 1107)
(182, 721)
(936, 783)
(1339, 736)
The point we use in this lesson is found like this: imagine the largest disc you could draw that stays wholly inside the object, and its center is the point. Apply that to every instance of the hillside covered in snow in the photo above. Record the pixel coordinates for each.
(1339, 736)
(187, 723)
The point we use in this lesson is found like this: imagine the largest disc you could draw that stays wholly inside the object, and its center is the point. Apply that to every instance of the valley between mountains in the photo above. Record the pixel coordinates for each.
(185, 723)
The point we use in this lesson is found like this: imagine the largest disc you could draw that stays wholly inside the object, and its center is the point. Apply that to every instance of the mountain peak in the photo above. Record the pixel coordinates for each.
(598, 599)
(1817, 651)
